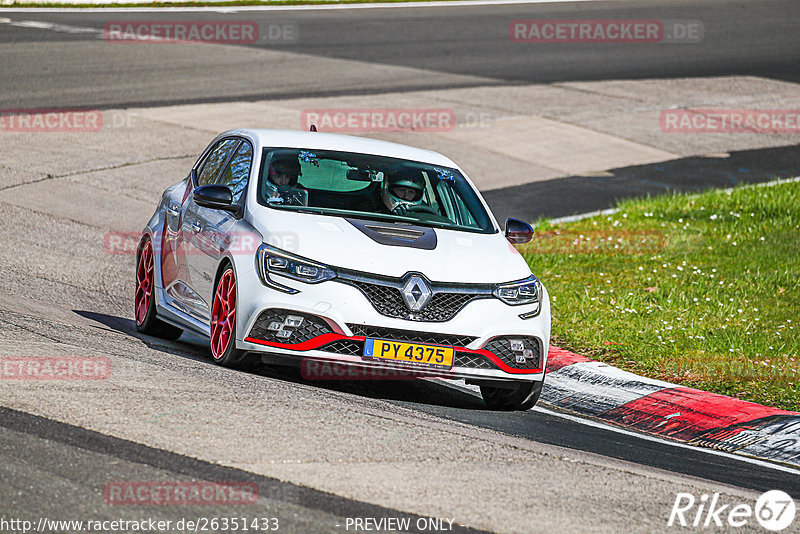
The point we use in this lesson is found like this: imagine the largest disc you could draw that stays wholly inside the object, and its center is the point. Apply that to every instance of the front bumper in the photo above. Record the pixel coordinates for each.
(481, 332)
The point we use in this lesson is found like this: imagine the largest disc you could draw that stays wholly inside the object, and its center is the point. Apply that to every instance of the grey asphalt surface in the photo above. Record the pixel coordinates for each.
(457, 47)
(72, 465)
(81, 302)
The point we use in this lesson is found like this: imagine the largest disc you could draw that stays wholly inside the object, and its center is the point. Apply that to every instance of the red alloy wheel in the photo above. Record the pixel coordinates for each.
(223, 314)
(144, 283)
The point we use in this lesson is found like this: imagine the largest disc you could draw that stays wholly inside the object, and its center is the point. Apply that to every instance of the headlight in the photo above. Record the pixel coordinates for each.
(528, 291)
(270, 260)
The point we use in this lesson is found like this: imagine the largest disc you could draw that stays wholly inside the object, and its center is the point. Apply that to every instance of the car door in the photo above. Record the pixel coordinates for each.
(192, 233)
(212, 229)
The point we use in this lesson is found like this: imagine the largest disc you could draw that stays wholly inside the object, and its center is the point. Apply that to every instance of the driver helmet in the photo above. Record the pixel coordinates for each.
(284, 167)
(403, 187)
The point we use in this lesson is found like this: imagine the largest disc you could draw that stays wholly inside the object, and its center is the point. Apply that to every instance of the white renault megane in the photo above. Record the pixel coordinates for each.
(338, 248)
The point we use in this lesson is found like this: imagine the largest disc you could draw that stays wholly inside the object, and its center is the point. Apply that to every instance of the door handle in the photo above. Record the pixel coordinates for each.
(173, 210)
(196, 226)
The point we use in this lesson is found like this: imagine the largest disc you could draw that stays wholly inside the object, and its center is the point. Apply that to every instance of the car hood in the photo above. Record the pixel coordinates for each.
(464, 257)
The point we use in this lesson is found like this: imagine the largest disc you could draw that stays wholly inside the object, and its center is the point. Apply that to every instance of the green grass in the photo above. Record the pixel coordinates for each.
(701, 290)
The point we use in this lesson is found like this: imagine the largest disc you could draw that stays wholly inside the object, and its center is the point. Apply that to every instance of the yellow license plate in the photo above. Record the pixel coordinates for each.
(413, 353)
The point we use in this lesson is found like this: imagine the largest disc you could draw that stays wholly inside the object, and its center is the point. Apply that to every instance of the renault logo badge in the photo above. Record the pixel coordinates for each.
(416, 293)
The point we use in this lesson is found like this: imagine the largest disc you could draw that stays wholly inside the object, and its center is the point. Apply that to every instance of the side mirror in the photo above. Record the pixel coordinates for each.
(518, 232)
(218, 197)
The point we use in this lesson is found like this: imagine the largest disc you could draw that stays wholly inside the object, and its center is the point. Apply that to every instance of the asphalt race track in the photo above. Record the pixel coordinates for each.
(320, 453)
(456, 46)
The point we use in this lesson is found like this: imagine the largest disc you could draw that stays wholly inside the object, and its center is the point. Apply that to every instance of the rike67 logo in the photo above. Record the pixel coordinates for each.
(774, 510)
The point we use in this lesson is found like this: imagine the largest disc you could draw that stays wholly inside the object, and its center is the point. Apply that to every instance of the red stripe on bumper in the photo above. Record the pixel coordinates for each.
(324, 339)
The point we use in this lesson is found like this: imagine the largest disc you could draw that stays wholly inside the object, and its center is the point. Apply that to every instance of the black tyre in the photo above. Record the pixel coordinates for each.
(515, 396)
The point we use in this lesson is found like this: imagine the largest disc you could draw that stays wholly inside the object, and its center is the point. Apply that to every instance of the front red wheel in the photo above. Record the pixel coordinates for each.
(223, 322)
(144, 306)
(223, 314)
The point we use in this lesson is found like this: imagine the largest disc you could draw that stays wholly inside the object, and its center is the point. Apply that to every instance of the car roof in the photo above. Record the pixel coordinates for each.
(343, 143)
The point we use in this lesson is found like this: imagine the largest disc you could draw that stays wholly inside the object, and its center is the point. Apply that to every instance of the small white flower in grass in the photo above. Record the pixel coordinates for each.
(708, 299)
(740, 310)
(695, 299)
(713, 217)
(761, 238)
(730, 350)
(713, 270)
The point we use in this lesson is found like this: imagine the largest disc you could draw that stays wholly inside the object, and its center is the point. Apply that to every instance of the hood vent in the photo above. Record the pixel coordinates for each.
(397, 232)
(397, 235)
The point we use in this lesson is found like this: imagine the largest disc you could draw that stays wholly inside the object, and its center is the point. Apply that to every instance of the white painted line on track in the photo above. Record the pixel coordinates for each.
(648, 437)
(38, 25)
(314, 7)
(475, 390)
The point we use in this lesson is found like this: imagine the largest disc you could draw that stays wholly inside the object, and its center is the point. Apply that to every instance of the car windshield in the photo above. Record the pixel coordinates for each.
(370, 186)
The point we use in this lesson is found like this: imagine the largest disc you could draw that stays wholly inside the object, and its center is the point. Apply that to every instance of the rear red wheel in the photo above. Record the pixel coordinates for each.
(223, 322)
(144, 300)
(144, 283)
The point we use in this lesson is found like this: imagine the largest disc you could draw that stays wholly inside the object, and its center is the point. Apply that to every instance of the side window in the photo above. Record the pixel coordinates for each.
(237, 172)
(214, 162)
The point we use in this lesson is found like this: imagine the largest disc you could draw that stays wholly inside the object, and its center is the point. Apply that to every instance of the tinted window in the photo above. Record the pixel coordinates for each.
(237, 172)
(364, 185)
(215, 160)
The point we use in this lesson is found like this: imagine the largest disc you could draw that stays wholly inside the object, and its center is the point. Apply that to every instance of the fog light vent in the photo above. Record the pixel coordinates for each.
(288, 326)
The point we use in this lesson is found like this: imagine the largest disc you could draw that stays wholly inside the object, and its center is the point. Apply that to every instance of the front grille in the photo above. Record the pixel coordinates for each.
(502, 348)
(471, 361)
(388, 301)
(410, 336)
(348, 347)
(310, 327)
